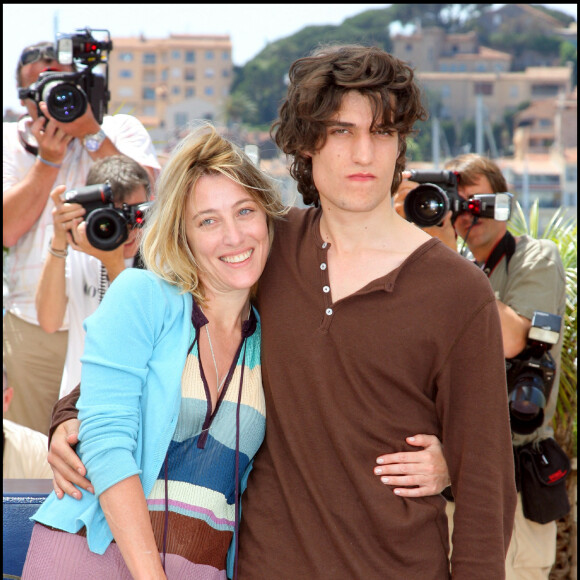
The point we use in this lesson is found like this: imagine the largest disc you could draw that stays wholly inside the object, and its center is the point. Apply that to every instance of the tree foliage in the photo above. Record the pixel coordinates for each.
(263, 79)
(450, 17)
(562, 17)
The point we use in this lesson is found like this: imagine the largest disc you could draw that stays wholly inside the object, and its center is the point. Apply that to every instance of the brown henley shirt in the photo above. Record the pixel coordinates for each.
(417, 351)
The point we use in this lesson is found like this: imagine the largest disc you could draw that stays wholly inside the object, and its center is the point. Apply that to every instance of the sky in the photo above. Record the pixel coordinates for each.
(250, 26)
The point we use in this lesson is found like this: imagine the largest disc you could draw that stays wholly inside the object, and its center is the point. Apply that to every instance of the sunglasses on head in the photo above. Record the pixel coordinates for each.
(31, 55)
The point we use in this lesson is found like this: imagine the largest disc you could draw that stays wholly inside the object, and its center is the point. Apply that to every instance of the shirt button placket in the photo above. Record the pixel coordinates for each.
(326, 290)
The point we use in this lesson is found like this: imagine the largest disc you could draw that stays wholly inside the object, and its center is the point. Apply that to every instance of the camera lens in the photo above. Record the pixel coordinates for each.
(426, 205)
(526, 403)
(65, 101)
(106, 229)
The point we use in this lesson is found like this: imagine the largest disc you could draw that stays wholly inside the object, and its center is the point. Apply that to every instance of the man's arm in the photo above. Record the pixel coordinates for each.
(24, 202)
(514, 330)
(471, 403)
(62, 439)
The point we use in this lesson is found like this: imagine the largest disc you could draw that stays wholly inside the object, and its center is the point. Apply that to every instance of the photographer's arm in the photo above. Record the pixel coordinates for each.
(80, 128)
(514, 330)
(51, 298)
(23, 202)
(88, 125)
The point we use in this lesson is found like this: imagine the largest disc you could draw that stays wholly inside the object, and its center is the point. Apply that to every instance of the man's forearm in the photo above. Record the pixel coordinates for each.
(64, 409)
(23, 203)
(514, 330)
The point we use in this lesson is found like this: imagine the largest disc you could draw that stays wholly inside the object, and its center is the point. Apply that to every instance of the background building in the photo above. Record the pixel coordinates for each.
(148, 76)
(454, 94)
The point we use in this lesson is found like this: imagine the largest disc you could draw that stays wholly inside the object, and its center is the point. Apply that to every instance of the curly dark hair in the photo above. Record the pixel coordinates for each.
(317, 84)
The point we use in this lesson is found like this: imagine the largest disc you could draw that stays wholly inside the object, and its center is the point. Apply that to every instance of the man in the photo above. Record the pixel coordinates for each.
(526, 275)
(23, 450)
(74, 284)
(365, 341)
(38, 154)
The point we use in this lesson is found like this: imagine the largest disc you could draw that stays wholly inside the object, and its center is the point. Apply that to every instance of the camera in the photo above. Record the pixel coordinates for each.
(107, 225)
(67, 94)
(530, 375)
(428, 204)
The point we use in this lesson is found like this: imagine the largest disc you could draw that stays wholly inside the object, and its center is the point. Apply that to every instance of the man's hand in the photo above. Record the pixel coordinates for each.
(78, 241)
(426, 469)
(64, 215)
(86, 124)
(445, 232)
(65, 463)
(51, 138)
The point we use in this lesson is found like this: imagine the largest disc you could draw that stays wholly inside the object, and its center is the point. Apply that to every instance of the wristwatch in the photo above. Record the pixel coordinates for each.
(93, 142)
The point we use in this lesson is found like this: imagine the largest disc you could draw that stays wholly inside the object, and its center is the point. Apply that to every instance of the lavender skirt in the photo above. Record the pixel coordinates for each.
(56, 555)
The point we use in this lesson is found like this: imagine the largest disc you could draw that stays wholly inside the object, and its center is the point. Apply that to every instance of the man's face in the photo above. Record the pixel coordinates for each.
(130, 247)
(353, 171)
(486, 232)
(29, 74)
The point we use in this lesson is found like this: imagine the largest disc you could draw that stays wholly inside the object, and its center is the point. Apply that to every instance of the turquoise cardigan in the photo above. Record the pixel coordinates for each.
(135, 352)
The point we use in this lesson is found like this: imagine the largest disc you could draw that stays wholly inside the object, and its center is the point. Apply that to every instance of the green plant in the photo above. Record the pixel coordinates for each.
(562, 230)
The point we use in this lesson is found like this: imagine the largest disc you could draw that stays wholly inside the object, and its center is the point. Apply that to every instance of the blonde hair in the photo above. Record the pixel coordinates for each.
(164, 246)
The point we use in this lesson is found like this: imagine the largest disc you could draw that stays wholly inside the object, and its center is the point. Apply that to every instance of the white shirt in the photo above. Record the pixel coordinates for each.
(24, 453)
(83, 285)
(25, 259)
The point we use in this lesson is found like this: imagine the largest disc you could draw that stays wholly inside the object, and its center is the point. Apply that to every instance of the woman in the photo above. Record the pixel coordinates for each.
(171, 408)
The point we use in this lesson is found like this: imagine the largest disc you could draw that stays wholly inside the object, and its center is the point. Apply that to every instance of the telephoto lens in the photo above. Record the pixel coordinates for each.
(65, 101)
(106, 229)
(426, 205)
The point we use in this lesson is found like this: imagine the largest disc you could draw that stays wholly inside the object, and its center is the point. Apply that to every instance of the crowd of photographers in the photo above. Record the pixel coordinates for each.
(67, 243)
(63, 134)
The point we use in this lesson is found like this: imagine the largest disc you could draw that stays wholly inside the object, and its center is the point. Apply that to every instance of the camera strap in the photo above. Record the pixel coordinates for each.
(103, 283)
(505, 247)
(25, 136)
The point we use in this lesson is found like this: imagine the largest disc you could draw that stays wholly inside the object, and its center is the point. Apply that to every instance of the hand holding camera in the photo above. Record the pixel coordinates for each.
(70, 103)
(106, 227)
(68, 94)
(65, 217)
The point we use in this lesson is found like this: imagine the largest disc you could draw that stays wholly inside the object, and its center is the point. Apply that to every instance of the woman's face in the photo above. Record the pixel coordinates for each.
(227, 232)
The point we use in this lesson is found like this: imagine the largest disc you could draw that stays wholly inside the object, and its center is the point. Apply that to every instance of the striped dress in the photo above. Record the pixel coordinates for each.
(201, 462)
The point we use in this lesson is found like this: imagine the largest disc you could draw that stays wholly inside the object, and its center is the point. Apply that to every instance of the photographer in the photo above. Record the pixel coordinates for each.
(526, 275)
(40, 153)
(73, 285)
